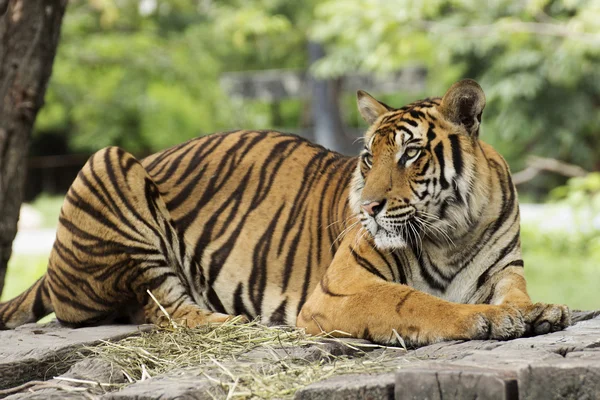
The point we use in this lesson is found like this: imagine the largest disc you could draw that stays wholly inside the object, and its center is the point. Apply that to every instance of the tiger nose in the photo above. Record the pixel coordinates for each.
(373, 207)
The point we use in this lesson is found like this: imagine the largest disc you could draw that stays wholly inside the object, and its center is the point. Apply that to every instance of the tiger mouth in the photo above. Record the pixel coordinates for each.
(398, 233)
(403, 229)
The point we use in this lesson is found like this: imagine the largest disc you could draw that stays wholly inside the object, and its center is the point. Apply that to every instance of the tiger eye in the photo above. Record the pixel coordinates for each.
(412, 152)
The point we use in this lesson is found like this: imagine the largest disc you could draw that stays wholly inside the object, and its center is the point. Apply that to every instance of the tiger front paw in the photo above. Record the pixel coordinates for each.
(541, 318)
(497, 323)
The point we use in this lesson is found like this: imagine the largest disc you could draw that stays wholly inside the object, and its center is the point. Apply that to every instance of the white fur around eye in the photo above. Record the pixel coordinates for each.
(368, 160)
(411, 154)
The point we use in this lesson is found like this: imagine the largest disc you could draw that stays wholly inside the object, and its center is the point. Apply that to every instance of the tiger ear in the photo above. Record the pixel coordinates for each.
(463, 105)
(370, 108)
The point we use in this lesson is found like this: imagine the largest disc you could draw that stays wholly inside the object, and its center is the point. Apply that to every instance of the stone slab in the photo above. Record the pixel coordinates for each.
(103, 373)
(561, 380)
(450, 382)
(39, 352)
(350, 387)
(169, 387)
(487, 369)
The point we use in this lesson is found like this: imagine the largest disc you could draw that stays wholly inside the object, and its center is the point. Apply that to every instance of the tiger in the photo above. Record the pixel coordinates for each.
(417, 239)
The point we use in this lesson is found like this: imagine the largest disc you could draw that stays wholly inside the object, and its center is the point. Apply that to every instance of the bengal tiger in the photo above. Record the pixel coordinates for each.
(418, 237)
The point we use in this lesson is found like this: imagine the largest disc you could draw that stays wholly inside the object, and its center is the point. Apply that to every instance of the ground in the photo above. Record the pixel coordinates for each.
(251, 361)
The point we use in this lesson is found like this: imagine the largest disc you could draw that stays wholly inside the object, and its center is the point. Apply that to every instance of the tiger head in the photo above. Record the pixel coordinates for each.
(416, 176)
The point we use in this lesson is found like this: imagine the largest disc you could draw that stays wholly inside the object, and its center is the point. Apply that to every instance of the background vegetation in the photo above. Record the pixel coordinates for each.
(145, 75)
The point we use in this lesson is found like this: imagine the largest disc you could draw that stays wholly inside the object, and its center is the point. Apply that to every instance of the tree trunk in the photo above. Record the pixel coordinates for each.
(328, 125)
(29, 33)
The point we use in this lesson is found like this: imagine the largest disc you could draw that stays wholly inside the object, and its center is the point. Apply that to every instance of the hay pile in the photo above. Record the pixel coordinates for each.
(242, 360)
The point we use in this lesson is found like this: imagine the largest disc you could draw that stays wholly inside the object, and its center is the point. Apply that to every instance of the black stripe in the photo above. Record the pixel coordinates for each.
(309, 176)
(401, 302)
(214, 301)
(457, 160)
(430, 134)
(367, 335)
(416, 114)
(220, 255)
(290, 258)
(258, 275)
(202, 150)
(406, 130)
(223, 172)
(400, 268)
(324, 283)
(279, 315)
(410, 122)
(439, 153)
(431, 280)
(503, 253)
(174, 163)
(238, 302)
(130, 162)
(166, 153)
(307, 272)
(363, 262)
(77, 201)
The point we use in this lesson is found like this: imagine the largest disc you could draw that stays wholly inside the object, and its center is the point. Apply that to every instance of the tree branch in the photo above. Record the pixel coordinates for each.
(535, 165)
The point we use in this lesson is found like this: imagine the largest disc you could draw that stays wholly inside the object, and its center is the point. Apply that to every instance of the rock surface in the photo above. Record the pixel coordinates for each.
(34, 352)
(560, 365)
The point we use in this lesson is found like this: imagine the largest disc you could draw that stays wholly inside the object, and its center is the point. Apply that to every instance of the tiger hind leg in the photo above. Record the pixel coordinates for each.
(29, 306)
(115, 243)
(170, 306)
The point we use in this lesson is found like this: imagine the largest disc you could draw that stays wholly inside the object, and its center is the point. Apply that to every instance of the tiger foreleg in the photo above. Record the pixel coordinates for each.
(508, 287)
(352, 299)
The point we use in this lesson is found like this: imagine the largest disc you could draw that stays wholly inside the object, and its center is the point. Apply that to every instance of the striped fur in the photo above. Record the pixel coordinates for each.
(265, 224)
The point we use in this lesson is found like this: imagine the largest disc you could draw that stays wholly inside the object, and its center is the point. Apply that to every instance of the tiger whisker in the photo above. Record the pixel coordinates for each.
(418, 239)
(429, 227)
(343, 233)
(344, 222)
(436, 219)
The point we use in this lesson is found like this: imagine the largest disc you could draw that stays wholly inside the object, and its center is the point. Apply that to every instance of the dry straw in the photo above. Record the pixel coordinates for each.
(242, 360)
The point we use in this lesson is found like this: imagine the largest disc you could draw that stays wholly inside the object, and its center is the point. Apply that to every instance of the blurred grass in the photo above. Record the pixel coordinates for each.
(23, 271)
(572, 280)
(49, 208)
(562, 267)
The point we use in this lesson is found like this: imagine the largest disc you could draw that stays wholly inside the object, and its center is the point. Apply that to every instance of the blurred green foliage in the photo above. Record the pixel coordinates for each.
(145, 75)
(563, 264)
(537, 61)
(582, 194)
(120, 79)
